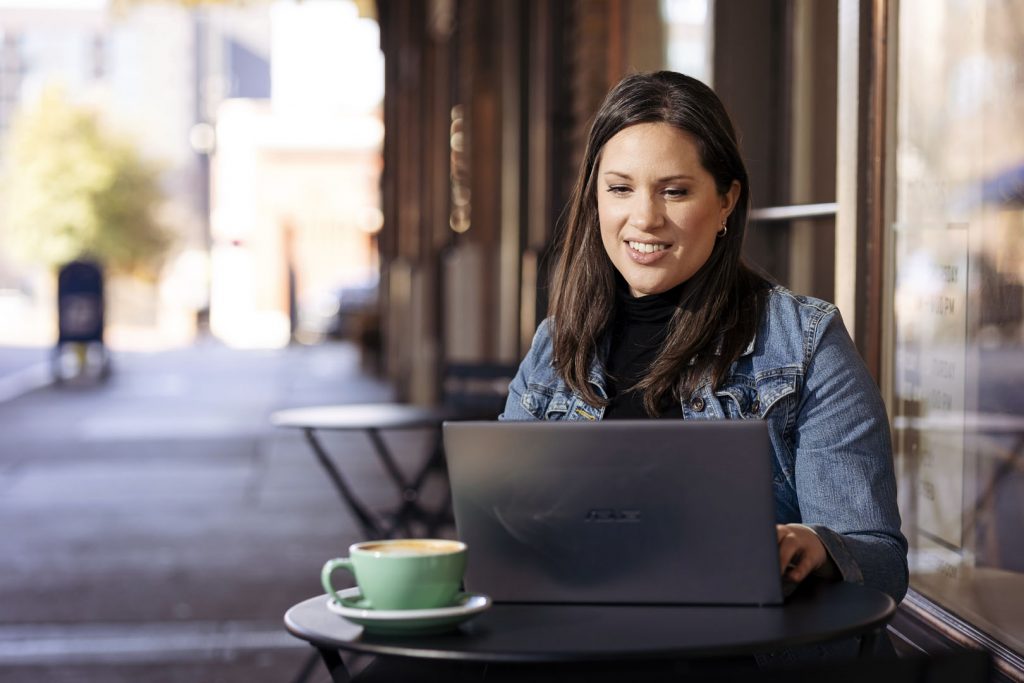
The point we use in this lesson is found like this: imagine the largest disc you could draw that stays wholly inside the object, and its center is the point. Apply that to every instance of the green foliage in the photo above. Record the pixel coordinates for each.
(73, 188)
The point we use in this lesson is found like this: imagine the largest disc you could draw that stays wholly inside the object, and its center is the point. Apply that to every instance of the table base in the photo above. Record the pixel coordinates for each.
(410, 510)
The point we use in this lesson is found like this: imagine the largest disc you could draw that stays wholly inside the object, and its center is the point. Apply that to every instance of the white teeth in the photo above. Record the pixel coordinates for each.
(645, 248)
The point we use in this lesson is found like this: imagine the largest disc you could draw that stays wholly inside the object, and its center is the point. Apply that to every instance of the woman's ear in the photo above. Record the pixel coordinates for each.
(729, 199)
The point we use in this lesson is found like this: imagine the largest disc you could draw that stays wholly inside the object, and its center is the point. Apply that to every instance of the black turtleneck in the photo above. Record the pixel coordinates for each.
(639, 328)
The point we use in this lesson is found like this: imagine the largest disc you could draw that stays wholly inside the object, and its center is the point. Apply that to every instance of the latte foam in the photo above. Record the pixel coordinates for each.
(412, 547)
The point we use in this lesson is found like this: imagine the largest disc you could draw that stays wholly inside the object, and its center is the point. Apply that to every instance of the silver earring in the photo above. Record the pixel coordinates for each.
(725, 229)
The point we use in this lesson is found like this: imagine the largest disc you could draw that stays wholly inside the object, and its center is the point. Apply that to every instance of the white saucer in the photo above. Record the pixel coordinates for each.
(407, 621)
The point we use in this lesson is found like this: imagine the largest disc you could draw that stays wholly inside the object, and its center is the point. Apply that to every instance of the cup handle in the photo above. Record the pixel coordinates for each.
(329, 567)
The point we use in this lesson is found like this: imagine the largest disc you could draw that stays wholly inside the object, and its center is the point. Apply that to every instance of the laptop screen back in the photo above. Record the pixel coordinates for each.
(645, 511)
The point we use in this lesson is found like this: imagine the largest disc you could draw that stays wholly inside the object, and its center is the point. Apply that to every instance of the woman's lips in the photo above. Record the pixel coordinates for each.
(643, 255)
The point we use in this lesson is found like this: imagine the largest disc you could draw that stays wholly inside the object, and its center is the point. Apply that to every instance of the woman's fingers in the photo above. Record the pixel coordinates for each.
(803, 565)
(800, 551)
(788, 547)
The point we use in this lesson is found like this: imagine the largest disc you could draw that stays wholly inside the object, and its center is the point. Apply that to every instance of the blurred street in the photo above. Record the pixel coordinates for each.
(156, 527)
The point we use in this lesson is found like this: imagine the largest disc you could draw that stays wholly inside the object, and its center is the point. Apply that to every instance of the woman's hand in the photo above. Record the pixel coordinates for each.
(801, 553)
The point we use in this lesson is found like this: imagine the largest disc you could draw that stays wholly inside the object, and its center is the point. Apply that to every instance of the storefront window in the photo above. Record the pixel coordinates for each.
(958, 353)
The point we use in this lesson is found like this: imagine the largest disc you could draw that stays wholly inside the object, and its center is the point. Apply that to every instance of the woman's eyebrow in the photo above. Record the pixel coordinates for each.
(626, 176)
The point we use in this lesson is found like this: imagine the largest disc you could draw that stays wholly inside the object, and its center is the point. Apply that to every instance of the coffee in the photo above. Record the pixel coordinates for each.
(403, 573)
(412, 547)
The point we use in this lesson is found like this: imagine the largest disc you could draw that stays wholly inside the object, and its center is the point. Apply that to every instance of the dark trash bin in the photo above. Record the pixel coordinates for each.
(80, 315)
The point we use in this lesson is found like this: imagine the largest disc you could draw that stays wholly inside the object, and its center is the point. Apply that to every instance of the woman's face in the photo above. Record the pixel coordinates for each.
(658, 206)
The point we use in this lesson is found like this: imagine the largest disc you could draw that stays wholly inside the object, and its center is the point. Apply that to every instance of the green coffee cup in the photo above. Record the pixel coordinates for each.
(402, 573)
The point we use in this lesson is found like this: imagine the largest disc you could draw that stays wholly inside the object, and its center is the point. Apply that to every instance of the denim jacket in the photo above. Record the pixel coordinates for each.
(832, 452)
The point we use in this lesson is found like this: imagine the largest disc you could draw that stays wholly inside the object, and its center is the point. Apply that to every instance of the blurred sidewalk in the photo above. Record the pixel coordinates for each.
(15, 358)
(23, 369)
(156, 527)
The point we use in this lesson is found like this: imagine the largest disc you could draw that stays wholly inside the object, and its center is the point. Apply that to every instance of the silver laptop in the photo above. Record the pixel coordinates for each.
(622, 511)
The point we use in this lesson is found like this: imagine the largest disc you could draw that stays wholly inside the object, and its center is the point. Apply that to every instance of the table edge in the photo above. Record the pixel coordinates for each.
(398, 650)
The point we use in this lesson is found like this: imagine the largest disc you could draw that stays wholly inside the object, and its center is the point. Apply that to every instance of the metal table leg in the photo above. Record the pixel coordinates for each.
(434, 461)
(409, 495)
(409, 510)
(370, 527)
(442, 515)
(307, 668)
(332, 660)
(867, 644)
(404, 488)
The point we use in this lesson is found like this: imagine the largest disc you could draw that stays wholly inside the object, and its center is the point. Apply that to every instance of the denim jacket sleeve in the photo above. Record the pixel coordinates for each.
(538, 357)
(845, 481)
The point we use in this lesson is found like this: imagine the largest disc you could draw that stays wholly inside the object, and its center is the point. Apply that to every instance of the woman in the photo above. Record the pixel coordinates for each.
(654, 314)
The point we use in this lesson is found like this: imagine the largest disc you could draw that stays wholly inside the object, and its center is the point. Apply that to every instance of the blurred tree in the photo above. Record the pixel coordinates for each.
(74, 189)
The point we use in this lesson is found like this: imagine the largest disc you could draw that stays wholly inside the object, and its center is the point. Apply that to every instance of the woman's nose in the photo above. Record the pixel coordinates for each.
(645, 213)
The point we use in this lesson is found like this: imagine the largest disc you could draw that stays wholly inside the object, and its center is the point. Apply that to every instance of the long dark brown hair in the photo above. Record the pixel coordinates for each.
(719, 307)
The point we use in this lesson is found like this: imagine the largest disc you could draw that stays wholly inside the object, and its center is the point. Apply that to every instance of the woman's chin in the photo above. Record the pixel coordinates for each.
(644, 288)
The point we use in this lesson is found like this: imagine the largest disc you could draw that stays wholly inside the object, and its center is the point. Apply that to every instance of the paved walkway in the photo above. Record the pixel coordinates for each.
(156, 527)
(22, 370)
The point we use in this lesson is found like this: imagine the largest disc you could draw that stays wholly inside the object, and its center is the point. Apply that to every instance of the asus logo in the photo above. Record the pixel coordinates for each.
(612, 515)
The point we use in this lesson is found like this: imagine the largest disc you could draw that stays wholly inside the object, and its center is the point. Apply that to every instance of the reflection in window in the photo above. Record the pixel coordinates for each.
(958, 357)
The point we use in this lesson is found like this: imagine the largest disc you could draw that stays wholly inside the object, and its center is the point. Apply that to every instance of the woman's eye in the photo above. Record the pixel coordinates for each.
(618, 189)
(675, 192)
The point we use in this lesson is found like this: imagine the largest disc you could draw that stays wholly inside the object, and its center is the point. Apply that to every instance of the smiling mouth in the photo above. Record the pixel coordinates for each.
(645, 248)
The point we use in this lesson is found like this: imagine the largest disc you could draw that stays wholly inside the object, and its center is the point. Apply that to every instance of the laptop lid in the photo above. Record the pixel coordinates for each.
(620, 511)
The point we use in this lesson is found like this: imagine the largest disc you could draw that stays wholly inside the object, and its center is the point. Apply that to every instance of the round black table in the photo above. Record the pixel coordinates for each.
(521, 633)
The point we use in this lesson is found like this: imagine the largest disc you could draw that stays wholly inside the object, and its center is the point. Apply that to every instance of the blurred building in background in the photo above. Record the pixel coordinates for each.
(156, 71)
(296, 184)
(264, 119)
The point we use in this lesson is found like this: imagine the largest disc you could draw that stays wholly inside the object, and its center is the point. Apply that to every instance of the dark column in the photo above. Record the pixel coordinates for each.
(751, 43)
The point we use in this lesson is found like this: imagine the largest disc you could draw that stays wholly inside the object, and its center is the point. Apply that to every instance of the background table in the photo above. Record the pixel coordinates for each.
(518, 633)
(373, 418)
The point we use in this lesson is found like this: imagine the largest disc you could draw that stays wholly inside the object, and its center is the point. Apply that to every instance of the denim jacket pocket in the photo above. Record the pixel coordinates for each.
(546, 403)
(776, 393)
(747, 398)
